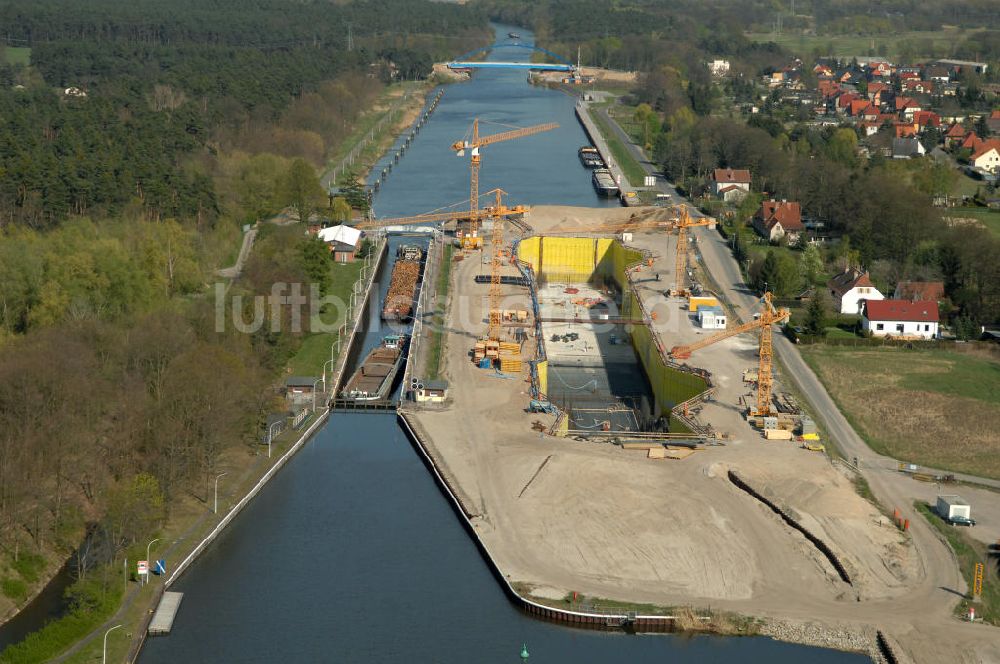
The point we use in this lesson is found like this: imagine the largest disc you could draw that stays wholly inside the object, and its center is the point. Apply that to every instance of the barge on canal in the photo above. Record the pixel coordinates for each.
(590, 157)
(398, 305)
(604, 182)
(374, 378)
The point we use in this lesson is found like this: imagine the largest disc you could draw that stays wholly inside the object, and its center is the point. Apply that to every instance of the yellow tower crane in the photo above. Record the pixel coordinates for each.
(684, 222)
(765, 380)
(498, 210)
(474, 143)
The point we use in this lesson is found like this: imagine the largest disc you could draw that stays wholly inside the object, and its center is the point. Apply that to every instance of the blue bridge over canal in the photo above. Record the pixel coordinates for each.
(465, 61)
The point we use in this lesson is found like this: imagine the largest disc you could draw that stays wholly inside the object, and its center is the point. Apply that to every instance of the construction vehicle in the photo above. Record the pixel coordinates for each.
(474, 143)
(763, 322)
(684, 222)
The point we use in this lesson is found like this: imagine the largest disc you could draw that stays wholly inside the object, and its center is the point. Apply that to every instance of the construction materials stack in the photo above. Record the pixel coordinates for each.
(510, 357)
(398, 304)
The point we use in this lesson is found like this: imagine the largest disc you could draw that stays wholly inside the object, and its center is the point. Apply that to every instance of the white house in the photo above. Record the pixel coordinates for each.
(900, 318)
(850, 288)
(724, 178)
(987, 157)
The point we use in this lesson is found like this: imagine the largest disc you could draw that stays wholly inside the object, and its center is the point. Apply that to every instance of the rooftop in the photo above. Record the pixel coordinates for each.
(901, 310)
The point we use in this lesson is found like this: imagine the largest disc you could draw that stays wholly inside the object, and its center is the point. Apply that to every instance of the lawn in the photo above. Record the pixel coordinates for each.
(633, 171)
(987, 217)
(315, 349)
(936, 43)
(969, 552)
(930, 407)
(433, 367)
(18, 55)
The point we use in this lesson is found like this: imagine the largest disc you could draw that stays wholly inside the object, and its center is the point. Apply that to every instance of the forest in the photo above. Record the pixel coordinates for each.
(120, 197)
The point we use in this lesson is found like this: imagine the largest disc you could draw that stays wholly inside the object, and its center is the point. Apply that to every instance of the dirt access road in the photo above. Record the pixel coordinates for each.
(563, 516)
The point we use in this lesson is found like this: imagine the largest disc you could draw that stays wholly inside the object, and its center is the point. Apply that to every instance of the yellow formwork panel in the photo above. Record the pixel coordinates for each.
(568, 259)
(527, 251)
(543, 377)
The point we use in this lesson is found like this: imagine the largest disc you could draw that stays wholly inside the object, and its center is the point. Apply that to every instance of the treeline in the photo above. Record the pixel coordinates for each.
(163, 87)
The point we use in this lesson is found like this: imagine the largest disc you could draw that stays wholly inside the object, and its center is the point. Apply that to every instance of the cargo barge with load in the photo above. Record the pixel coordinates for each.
(398, 304)
(590, 157)
(374, 378)
(604, 182)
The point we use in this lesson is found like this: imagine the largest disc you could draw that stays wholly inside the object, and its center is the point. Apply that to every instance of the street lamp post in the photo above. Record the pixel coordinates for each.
(330, 361)
(148, 566)
(104, 657)
(216, 508)
(315, 383)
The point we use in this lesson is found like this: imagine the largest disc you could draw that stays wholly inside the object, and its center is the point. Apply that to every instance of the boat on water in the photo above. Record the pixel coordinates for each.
(590, 157)
(398, 305)
(604, 182)
(374, 378)
(513, 35)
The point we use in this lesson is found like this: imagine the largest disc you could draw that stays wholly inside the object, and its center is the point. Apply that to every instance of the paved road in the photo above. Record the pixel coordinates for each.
(932, 600)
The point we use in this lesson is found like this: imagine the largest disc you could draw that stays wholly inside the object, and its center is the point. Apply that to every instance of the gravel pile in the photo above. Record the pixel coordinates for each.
(824, 636)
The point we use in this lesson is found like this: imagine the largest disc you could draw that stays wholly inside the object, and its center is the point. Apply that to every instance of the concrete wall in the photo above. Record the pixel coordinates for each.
(578, 260)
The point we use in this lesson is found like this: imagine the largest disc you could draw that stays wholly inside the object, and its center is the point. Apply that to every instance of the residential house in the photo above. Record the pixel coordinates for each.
(987, 157)
(905, 129)
(880, 69)
(724, 178)
(823, 71)
(971, 142)
(993, 122)
(919, 291)
(844, 102)
(906, 107)
(937, 73)
(900, 318)
(955, 135)
(926, 119)
(877, 90)
(342, 240)
(777, 219)
(850, 289)
(907, 148)
(916, 86)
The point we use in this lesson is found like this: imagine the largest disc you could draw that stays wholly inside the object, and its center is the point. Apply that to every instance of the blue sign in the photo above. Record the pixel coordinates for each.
(160, 567)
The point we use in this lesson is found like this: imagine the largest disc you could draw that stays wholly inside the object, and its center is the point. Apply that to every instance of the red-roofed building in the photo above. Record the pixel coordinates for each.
(919, 291)
(906, 75)
(828, 88)
(844, 101)
(850, 289)
(822, 70)
(906, 129)
(926, 119)
(987, 157)
(723, 178)
(858, 107)
(777, 219)
(880, 68)
(900, 319)
(971, 142)
(906, 107)
(955, 135)
(915, 85)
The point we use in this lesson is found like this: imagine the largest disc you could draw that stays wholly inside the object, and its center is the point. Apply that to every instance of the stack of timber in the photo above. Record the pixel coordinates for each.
(510, 357)
(403, 284)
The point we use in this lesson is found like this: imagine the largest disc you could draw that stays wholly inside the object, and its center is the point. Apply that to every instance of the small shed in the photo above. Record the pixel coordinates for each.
(431, 391)
(300, 385)
(342, 240)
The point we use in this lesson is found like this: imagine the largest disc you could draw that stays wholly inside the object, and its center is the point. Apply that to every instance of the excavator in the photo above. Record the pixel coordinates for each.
(763, 322)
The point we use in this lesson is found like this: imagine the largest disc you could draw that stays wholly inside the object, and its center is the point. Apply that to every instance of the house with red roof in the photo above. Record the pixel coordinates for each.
(926, 119)
(844, 101)
(919, 291)
(850, 289)
(907, 106)
(971, 142)
(900, 319)
(905, 129)
(777, 219)
(955, 135)
(916, 86)
(987, 157)
(727, 180)
(879, 68)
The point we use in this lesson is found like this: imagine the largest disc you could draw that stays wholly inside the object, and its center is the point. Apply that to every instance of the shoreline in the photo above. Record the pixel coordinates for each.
(128, 600)
(725, 624)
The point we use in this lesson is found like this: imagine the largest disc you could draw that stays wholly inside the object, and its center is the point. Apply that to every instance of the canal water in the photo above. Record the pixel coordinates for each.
(351, 553)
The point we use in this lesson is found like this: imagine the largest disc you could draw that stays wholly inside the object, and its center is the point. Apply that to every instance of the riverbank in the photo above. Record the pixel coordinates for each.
(192, 522)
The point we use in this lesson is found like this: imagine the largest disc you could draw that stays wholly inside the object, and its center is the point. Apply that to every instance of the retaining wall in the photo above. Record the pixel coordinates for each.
(592, 620)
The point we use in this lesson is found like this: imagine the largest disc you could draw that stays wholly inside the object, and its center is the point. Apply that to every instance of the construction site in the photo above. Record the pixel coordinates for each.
(613, 428)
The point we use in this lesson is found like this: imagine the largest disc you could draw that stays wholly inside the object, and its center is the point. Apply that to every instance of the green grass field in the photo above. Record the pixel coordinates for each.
(969, 552)
(633, 171)
(930, 407)
(17, 55)
(926, 44)
(315, 349)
